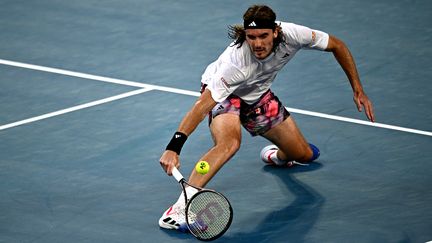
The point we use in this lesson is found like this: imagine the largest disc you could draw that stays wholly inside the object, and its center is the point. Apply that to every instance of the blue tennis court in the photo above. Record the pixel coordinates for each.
(92, 91)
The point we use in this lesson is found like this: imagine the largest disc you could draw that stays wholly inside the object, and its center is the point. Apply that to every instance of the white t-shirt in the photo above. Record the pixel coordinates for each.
(237, 71)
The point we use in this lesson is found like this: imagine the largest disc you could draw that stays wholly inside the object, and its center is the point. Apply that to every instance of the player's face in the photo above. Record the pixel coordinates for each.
(261, 41)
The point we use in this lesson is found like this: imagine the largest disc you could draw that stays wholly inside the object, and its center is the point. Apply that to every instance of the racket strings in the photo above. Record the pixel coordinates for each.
(209, 215)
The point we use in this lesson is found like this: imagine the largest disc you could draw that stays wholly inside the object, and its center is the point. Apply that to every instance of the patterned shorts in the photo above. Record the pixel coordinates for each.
(257, 118)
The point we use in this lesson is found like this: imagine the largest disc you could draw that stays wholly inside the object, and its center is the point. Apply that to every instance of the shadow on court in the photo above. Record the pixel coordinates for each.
(292, 222)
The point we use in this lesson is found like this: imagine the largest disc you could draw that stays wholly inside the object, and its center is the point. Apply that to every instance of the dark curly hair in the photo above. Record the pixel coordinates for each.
(256, 12)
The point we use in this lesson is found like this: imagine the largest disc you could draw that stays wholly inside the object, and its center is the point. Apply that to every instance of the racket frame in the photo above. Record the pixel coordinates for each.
(181, 180)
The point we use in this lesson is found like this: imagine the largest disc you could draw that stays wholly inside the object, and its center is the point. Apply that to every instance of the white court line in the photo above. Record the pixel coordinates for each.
(97, 78)
(357, 121)
(191, 93)
(75, 108)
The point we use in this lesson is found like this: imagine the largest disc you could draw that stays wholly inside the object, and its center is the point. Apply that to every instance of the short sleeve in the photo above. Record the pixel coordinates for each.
(319, 40)
(222, 80)
(305, 37)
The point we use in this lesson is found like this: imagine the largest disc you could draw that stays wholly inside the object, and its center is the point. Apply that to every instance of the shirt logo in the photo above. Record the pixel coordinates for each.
(225, 83)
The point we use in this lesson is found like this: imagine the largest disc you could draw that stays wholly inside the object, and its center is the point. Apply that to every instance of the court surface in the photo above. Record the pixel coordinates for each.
(92, 91)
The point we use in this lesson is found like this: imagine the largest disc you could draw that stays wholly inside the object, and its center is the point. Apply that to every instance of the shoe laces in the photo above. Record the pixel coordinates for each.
(292, 163)
(179, 210)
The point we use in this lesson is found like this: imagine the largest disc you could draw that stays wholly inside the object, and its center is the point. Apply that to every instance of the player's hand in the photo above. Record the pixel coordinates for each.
(169, 160)
(361, 100)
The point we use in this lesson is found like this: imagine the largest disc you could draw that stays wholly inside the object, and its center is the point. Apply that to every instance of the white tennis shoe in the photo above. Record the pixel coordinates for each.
(174, 218)
(268, 152)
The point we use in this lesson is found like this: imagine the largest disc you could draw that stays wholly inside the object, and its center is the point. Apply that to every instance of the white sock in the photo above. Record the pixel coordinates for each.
(276, 160)
(190, 191)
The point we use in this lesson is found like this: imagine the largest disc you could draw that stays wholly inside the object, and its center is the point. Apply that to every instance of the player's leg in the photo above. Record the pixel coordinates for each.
(271, 120)
(290, 141)
(226, 133)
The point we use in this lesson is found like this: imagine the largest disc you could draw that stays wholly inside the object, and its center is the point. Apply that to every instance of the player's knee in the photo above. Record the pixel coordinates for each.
(229, 147)
(233, 146)
(312, 153)
(315, 152)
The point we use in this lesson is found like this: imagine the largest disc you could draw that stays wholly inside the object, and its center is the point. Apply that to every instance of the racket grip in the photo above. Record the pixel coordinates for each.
(177, 175)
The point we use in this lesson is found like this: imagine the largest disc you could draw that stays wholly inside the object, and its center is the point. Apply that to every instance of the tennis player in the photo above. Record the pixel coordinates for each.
(235, 91)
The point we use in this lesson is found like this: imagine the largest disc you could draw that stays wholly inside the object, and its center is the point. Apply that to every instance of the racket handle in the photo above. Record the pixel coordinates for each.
(177, 175)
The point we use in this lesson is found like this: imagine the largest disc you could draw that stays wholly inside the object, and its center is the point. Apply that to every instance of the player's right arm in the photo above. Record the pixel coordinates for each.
(221, 81)
(189, 123)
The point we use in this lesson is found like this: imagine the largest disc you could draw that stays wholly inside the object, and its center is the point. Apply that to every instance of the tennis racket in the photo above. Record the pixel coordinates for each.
(208, 213)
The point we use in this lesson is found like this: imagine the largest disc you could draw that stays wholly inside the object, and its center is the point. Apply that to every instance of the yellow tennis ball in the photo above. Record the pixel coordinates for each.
(202, 167)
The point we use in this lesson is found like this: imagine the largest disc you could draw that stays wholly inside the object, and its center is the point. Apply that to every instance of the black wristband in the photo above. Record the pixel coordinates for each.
(177, 142)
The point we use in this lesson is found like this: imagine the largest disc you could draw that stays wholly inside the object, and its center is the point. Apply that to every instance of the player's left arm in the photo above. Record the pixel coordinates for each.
(346, 61)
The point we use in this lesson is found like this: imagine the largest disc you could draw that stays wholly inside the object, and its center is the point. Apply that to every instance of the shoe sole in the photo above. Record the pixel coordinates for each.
(166, 225)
